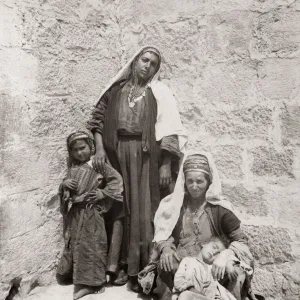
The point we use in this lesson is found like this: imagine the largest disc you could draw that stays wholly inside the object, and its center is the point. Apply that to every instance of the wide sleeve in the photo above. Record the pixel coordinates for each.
(96, 122)
(182, 279)
(238, 240)
(230, 225)
(170, 144)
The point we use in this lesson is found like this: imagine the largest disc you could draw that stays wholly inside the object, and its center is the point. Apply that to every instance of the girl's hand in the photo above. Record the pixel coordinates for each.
(70, 184)
(167, 259)
(66, 195)
(96, 195)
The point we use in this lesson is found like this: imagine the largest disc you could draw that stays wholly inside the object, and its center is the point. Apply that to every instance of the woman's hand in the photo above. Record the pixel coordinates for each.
(219, 264)
(70, 184)
(167, 259)
(165, 177)
(231, 270)
(99, 160)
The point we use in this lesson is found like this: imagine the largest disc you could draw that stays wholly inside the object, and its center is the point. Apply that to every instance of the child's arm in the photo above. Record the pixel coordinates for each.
(181, 281)
(112, 191)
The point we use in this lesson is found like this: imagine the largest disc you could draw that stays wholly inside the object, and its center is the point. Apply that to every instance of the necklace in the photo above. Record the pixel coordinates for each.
(195, 215)
(133, 96)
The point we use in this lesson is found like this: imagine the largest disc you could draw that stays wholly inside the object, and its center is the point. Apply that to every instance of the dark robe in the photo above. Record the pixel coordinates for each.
(137, 156)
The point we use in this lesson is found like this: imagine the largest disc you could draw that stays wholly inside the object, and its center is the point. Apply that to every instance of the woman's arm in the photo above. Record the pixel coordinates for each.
(169, 147)
(96, 122)
(238, 247)
(95, 125)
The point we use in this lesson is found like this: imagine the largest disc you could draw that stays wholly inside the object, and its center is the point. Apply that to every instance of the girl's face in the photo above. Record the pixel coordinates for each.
(196, 184)
(211, 250)
(81, 151)
(146, 66)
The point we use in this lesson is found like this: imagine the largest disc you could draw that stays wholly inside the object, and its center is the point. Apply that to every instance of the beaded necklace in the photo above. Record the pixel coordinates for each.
(133, 97)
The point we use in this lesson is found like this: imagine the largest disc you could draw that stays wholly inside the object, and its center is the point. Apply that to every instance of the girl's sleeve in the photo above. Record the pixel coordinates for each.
(181, 281)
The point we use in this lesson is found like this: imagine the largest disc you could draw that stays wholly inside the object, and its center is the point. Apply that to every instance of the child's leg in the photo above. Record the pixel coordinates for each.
(115, 246)
(120, 276)
(65, 268)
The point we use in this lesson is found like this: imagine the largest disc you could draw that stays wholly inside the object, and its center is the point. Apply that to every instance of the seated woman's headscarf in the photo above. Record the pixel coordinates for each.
(168, 119)
(169, 208)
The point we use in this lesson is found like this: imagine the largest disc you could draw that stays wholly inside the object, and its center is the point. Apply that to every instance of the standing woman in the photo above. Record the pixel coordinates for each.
(137, 127)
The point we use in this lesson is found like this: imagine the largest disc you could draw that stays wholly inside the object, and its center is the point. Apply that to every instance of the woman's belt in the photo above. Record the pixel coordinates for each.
(123, 132)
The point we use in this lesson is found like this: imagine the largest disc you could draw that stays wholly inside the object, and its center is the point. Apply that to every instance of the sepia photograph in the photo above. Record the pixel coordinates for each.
(150, 149)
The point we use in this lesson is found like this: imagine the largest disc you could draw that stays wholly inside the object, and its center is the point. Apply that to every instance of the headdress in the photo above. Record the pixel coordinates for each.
(79, 135)
(196, 162)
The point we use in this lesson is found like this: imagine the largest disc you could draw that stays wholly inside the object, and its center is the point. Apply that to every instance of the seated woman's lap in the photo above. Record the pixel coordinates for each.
(168, 276)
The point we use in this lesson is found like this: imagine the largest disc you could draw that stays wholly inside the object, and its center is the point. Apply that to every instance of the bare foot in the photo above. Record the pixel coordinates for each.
(81, 290)
(108, 278)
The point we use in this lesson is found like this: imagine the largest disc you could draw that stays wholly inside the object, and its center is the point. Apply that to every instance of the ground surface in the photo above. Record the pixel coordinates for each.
(57, 292)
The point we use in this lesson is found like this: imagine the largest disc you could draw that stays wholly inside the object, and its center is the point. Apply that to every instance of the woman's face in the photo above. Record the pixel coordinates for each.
(80, 150)
(196, 183)
(146, 66)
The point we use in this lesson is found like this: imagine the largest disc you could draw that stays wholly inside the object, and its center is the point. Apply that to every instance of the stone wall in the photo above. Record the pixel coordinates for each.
(234, 67)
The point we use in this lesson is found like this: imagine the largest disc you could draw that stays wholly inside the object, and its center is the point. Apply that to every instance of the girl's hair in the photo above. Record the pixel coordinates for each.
(214, 239)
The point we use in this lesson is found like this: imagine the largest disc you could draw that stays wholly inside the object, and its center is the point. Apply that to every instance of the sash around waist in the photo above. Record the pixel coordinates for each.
(122, 132)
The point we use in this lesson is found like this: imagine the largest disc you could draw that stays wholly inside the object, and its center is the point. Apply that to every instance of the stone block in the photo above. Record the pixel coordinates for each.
(229, 34)
(226, 85)
(229, 161)
(268, 283)
(252, 122)
(279, 78)
(252, 203)
(291, 125)
(26, 167)
(269, 245)
(275, 34)
(268, 161)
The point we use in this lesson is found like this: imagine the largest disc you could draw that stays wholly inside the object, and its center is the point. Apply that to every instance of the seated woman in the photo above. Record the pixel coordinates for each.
(193, 214)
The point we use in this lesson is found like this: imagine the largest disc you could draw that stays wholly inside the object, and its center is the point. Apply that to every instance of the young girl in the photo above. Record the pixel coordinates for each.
(85, 196)
(194, 280)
